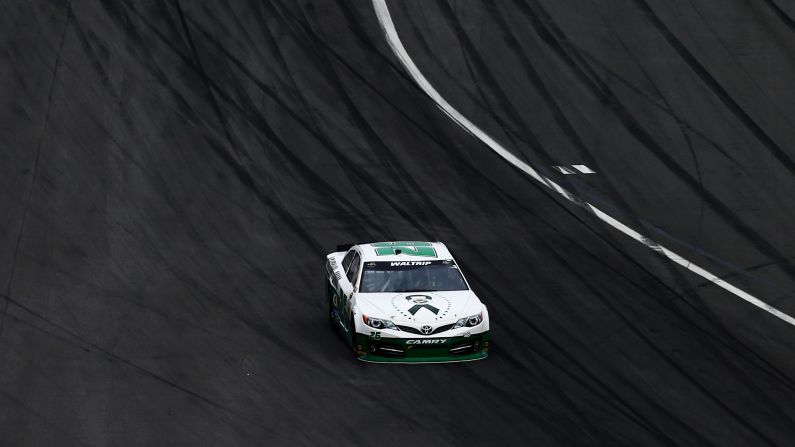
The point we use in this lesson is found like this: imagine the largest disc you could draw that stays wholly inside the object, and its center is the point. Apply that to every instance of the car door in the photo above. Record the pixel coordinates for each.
(348, 287)
(338, 284)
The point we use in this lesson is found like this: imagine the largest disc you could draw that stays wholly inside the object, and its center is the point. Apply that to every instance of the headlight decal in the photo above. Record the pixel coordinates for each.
(379, 323)
(470, 321)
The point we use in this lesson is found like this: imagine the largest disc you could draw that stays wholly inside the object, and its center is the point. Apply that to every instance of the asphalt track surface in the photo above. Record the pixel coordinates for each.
(172, 174)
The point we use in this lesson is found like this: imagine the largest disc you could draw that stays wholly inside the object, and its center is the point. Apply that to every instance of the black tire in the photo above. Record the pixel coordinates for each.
(352, 332)
(331, 321)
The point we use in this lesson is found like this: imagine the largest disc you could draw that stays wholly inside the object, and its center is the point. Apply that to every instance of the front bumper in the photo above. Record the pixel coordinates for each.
(422, 350)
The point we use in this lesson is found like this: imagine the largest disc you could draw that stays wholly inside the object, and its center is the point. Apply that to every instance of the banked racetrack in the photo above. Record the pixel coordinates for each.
(173, 173)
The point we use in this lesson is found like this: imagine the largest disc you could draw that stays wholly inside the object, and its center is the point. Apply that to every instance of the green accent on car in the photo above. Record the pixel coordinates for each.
(411, 248)
(422, 353)
(403, 243)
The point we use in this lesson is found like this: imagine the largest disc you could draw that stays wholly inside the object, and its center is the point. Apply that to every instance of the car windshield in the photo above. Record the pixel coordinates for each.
(411, 276)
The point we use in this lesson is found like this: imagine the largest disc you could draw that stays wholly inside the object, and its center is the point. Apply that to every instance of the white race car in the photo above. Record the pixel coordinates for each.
(405, 302)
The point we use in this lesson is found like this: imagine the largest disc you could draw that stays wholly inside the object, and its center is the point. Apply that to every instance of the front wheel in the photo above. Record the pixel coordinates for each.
(332, 321)
(352, 332)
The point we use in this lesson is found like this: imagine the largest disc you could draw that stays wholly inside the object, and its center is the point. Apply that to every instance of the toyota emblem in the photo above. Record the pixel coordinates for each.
(426, 329)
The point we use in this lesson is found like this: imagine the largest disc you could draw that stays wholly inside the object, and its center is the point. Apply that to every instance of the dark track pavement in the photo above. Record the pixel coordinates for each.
(172, 174)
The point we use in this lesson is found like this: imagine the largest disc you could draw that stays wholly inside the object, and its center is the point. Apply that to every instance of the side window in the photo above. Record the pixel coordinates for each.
(346, 261)
(354, 271)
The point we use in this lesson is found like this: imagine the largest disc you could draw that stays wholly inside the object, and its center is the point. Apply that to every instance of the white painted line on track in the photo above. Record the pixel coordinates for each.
(564, 170)
(584, 169)
(388, 27)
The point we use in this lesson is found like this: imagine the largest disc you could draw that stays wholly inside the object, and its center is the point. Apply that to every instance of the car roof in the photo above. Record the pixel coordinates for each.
(404, 251)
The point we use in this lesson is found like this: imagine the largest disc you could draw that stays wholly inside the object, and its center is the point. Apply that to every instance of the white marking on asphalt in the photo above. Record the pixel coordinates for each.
(384, 18)
(564, 170)
(584, 169)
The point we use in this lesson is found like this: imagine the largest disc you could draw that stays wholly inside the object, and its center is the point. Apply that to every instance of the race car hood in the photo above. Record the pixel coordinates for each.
(419, 307)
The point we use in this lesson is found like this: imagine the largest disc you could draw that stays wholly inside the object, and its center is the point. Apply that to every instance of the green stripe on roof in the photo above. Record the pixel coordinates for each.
(402, 244)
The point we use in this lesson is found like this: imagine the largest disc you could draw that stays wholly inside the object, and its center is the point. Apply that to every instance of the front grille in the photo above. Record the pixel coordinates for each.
(443, 328)
(465, 348)
(388, 350)
(411, 330)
